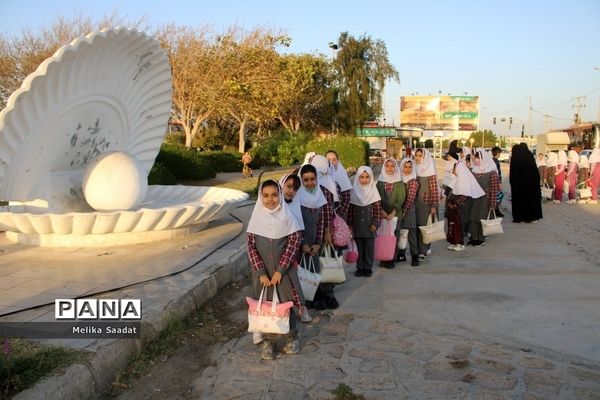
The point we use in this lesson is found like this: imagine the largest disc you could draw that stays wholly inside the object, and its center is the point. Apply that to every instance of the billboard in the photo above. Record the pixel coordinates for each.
(440, 113)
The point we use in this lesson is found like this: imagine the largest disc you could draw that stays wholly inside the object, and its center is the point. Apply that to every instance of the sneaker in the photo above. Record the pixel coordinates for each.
(582, 201)
(304, 314)
(367, 273)
(451, 247)
(428, 252)
(592, 202)
(459, 247)
(401, 259)
(257, 337)
(266, 351)
(332, 303)
(478, 243)
(414, 262)
(422, 257)
(291, 347)
(556, 201)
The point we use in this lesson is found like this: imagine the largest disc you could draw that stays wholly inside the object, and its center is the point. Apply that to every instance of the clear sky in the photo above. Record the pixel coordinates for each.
(504, 51)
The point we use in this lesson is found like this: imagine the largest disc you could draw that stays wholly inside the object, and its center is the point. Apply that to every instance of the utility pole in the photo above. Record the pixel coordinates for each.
(530, 118)
(579, 104)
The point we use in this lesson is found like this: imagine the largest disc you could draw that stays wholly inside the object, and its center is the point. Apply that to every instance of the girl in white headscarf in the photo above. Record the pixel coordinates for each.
(409, 217)
(428, 196)
(342, 183)
(560, 175)
(542, 165)
(584, 175)
(594, 175)
(464, 187)
(572, 175)
(273, 239)
(551, 168)
(392, 192)
(486, 174)
(365, 217)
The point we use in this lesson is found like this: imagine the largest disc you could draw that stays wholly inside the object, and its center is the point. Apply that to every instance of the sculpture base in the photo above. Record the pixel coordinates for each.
(103, 240)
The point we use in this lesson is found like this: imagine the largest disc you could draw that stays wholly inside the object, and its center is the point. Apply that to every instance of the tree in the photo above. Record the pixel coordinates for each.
(20, 56)
(251, 78)
(361, 70)
(302, 89)
(197, 75)
(489, 139)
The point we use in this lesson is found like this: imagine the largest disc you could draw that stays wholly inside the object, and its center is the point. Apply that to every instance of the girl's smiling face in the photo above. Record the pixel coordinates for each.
(270, 197)
(309, 180)
(364, 178)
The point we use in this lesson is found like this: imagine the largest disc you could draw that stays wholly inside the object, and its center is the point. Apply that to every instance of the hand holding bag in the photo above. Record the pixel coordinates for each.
(385, 242)
(491, 226)
(309, 279)
(332, 269)
(268, 316)
(585, 192)
(340, 232)
(433, 231)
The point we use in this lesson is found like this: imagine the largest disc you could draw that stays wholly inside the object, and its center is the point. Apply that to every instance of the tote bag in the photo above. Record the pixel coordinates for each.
(352, 252)
(403, 239)
(268, 316)
(491, 226)
(332, 269)
(340, 232)
(309, 279)
(584, 192)
(433, 231)
(385, 242)
(547, 193)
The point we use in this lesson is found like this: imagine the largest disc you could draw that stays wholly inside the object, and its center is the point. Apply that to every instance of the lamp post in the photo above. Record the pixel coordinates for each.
(333, 47)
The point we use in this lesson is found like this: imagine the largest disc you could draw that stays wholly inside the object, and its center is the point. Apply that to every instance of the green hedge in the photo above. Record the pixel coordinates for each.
(185, 164)
(353, 152)
(281, 148)
(160, 175)
(223, 161)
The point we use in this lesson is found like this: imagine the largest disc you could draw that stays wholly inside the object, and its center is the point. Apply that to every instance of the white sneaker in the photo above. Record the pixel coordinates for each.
(428, 252)
(451, 247)
(582, 201)
(572, 201)
(592, 202)
(459, 247)
(257, 337)
(556, 201)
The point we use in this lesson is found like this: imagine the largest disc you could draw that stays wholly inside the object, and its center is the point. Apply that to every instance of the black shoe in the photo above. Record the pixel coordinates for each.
(332, 303)
(401, 259)
(477, 243)
(388, 264)
(309, 304)
(471, 242)
(414, 262)
(367, 273)
(319, 305)
(358, 272)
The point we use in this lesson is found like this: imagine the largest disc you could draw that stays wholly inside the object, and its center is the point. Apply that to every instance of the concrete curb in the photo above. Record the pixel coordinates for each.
(189, 290)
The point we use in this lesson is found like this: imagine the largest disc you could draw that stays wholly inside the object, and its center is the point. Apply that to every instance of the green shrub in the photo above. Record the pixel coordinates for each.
(185, 164)
(353, 152)
(282, 148)
(222, 161)
(160, 175)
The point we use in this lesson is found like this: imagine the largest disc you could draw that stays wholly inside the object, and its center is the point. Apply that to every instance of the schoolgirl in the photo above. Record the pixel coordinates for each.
(572, 175)
(409, 217)
(393, 194)
(273, 239)
(290, 184)
(584, 175)
(559, 176)
(551, 168)
(486, 174)
(594, 175)
(542, 166)
(342, 182)
(365, 217)
(428, 196)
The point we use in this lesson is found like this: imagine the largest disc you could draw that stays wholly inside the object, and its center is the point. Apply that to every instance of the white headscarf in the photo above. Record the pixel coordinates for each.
(466, 184)
(293, 205)
(363, 195)
(340, 176)
(595, 156)
(465, 152)
(412, 175)
(552, 159)
(325, 174)
(542, 162)
(310, 199)
(308, 156)
(573, 157)
(562, 157)
(272, 224)
(584, 162)
(427, 166)
(395, 177)
(486, 162)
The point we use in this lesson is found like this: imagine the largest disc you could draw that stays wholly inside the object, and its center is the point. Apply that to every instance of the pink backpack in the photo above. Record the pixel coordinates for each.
(340, 232)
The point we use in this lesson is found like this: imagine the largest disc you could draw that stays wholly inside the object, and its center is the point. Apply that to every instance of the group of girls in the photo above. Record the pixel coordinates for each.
(471, 187)
(558, 168)
(292, 222)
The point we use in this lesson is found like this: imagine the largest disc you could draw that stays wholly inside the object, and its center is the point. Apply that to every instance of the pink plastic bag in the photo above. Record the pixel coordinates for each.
(268, 316)
(352, 253)
(340, 232)
(385, 242)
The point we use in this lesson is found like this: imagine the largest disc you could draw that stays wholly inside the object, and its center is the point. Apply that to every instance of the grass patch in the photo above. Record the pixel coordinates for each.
(23, 363)
(344, 392)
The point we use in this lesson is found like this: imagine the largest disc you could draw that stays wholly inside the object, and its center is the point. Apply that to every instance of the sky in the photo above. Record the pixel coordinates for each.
(510, 53)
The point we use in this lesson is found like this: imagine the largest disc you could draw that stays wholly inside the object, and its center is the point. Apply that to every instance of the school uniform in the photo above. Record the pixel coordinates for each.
(464, 187)
(584, 170)
(487, 178)
(409, 216)
(428, 197)
(572, 174)
(560, 175)
(595, 173)
(344, 188)
(551, 169)
(365, 210)
(393, 194)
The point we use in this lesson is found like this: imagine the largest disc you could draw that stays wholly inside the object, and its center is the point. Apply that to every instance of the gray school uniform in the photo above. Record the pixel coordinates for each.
(480, 208)
(270, 251)
(310, 217)
(409, 221)
(422, 211)
(362, 219)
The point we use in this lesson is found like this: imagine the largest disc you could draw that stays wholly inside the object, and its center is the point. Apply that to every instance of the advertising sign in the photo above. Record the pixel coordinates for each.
(440, 113)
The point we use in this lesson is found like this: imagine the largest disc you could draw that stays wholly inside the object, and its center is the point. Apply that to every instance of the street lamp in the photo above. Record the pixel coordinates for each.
(333, 47)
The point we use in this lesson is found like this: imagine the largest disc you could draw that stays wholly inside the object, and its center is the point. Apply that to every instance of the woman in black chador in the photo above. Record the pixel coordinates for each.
(524, 185)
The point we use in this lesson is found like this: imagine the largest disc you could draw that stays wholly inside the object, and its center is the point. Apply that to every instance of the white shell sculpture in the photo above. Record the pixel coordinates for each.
(109, 91)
